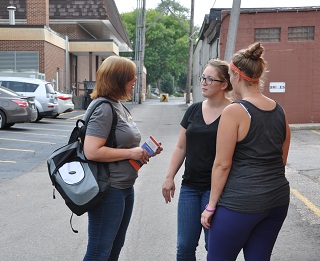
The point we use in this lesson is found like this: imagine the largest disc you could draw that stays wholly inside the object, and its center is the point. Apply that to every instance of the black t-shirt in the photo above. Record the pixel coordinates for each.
(200, 149)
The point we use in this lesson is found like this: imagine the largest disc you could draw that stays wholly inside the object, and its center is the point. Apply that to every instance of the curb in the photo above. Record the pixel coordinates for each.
(305, 126)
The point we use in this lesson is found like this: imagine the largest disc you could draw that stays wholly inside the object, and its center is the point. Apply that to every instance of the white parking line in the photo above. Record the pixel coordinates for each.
(32, 141)
(18, 150)
(44, 129)
(37, 134)
(7, 161)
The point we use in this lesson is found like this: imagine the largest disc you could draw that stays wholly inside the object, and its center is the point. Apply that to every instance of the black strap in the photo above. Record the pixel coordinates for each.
(75, 231)
(111, 142)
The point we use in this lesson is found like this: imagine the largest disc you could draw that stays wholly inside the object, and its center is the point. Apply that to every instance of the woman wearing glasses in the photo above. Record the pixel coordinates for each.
(197, 147)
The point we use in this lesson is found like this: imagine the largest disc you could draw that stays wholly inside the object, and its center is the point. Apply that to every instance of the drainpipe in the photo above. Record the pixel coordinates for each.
(67, 64)
(11, 10)
(57, 79)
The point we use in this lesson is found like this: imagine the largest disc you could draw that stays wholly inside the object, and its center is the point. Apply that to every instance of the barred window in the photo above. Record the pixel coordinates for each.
(301, 33)
(267, 34)
(19, 61)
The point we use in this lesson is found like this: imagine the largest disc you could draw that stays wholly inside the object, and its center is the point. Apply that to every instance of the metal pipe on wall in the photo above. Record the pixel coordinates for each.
(67, 64)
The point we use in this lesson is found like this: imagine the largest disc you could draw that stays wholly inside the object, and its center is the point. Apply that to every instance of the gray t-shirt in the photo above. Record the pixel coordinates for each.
(122, 174)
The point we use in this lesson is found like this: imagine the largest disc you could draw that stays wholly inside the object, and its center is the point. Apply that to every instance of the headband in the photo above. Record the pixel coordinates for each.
(241, 74)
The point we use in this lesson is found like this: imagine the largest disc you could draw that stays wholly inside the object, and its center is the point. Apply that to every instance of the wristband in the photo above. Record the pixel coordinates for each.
(210, 210)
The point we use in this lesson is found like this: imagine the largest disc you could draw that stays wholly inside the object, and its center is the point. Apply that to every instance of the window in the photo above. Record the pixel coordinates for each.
(19, 61)
(20, 86)
(301, 33)
(267, 34)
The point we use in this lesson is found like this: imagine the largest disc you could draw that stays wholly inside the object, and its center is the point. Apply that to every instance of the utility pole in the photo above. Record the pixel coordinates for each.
(143, 38)
(139, 48)
(232, 30)
(190, 57)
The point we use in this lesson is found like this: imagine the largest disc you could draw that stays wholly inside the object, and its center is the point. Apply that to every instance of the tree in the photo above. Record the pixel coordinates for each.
(167, 83)
(166, 47)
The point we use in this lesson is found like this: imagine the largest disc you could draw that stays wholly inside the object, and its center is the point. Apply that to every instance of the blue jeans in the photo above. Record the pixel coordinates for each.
(255, 233)
(108, 223)
(190, 206)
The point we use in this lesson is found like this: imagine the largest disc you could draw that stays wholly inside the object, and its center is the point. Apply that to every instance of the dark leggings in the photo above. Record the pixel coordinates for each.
(256, 234)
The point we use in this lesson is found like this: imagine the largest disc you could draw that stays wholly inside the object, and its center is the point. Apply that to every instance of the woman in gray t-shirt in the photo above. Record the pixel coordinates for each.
(108, 222)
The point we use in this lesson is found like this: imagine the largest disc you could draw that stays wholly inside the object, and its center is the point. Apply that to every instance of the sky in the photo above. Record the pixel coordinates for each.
(202, 7)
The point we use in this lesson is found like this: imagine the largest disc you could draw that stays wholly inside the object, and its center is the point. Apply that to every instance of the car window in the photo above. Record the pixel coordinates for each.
(20, 86)
(49, 88)
(30, 87)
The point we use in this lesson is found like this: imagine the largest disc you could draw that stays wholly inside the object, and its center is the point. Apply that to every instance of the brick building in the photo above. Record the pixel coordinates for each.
(291, 38)
(63, 40)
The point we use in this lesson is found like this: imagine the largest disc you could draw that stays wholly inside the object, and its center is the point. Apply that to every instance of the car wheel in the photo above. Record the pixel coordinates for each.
(2, 120)
(7, 126)
(39, 118)
(36, 117)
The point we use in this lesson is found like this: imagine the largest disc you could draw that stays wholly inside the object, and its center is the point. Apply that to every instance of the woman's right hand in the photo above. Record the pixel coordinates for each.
(140, 154)
(168, 189)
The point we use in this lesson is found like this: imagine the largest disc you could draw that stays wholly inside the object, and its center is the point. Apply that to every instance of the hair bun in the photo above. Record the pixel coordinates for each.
(254, 51)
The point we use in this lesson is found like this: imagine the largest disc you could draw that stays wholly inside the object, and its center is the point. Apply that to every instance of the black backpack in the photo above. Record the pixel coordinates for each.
(82, 183)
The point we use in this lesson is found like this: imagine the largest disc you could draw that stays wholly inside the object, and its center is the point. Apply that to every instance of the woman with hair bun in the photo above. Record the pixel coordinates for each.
(249, 195)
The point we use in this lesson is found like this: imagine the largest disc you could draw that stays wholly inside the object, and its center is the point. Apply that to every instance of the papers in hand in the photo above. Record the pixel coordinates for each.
(151, 146)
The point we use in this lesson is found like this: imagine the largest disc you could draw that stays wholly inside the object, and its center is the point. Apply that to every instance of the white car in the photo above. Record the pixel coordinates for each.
(45, 96)
(65, 102)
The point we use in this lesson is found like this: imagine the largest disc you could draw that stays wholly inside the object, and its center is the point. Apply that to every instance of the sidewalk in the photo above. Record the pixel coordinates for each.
(305, 126)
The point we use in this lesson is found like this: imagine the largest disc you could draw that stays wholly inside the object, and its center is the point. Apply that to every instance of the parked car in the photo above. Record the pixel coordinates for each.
(65, 102)
(45, 96)
(15, 108)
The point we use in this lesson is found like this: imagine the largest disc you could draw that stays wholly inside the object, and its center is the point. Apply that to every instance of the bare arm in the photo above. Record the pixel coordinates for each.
(286, 144)
(226, 141)
(95, 149)
(178, 156)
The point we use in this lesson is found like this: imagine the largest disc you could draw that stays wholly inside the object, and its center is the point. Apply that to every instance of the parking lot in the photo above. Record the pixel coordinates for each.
(26, 145)
(36, 227)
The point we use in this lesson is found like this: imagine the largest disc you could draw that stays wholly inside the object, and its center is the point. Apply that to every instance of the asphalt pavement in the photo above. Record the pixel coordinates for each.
(35, 227)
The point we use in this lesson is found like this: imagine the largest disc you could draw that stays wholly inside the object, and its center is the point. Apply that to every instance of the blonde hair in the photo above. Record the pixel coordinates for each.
(112, 76)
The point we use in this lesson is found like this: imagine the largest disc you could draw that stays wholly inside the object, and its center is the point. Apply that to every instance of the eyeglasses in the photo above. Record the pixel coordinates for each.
(208, 80)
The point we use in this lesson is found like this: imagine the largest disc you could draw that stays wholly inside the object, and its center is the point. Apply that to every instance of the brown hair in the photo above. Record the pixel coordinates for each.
(222, 69)
(251, 63)
(112, 76)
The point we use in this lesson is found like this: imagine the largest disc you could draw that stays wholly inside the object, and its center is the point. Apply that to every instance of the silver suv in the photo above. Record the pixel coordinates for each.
(46, 98)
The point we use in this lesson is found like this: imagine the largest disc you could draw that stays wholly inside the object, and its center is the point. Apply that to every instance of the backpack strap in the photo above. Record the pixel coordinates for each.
(112, 141)
(125, 108)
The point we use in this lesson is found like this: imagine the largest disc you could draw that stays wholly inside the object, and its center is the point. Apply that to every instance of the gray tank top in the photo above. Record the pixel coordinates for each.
(257, 179)
(122, 174)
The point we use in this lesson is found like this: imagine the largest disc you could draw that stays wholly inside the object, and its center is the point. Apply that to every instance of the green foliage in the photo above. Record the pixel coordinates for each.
(178, 94)
(167, 84)
(167, 42)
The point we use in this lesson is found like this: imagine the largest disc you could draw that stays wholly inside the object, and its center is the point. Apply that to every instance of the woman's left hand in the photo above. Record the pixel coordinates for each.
(206, 218)
(158, 151)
